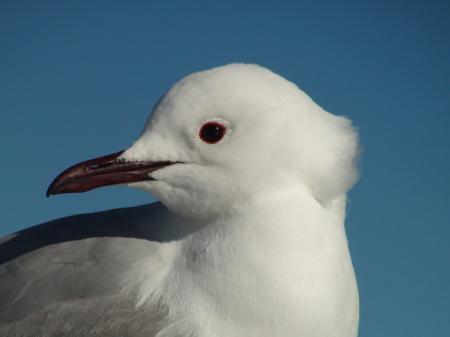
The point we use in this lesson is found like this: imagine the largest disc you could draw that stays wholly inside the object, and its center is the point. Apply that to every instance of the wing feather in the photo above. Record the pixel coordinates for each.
(63, 277)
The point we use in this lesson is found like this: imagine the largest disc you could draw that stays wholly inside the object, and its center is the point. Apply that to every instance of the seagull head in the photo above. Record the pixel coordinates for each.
(221, 136)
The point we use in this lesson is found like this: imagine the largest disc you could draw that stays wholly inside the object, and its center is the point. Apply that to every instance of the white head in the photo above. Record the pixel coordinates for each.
(274, 135)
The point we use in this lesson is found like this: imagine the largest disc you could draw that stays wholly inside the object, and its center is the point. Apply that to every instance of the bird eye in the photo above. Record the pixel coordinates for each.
(212, 132)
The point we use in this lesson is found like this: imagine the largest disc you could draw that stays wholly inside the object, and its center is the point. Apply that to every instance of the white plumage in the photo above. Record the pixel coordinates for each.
(250, 240)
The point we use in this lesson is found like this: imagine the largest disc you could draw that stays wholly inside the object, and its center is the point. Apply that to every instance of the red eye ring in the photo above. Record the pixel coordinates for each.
(212, 132)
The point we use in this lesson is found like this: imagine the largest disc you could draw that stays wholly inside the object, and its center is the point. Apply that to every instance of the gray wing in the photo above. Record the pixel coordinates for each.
(109, 316)
(63, 277)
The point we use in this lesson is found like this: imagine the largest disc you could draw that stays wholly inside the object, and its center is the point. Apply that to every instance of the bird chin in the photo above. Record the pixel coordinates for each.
(177, 200)
(152, 187)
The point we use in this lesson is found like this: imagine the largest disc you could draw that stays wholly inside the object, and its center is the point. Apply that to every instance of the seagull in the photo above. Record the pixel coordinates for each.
(247, 238)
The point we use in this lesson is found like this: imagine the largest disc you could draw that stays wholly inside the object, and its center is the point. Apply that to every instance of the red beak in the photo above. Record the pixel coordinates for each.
(102, 171)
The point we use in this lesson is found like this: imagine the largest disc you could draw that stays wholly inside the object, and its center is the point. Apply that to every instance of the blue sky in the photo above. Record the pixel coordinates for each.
(77, 80)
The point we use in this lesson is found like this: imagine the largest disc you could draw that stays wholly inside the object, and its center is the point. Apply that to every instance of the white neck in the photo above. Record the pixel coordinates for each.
(277, 265)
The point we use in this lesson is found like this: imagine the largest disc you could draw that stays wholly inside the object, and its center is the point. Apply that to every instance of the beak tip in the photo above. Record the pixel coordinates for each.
(49, 191)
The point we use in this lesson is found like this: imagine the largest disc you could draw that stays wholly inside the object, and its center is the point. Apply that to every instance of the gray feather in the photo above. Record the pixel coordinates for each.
(63, 277)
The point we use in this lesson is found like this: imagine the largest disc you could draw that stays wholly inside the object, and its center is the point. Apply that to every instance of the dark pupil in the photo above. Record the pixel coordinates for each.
(212, 133)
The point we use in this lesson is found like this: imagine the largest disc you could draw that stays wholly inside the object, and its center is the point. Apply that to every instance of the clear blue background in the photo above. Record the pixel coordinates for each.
(77, 80)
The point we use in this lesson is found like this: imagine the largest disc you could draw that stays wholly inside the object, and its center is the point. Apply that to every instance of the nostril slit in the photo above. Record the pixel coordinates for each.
(99, 166)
